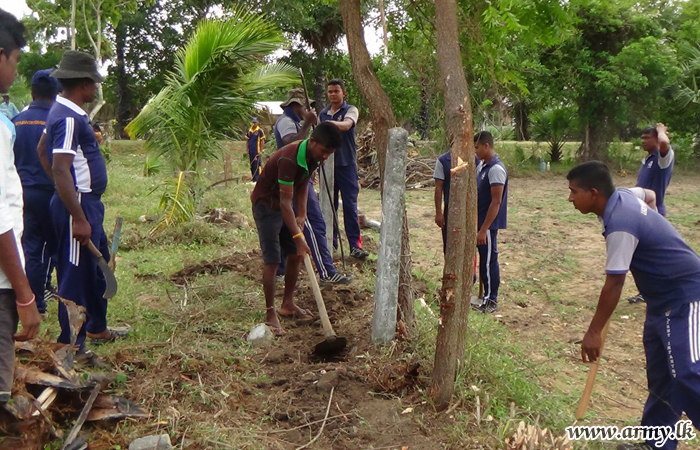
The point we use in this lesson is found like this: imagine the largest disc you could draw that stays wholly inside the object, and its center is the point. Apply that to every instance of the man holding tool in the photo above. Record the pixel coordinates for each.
(255, 142)
(284, 181)
(667, 272)
(77, 211)
(38, 240)
(287, 129)
(345, 116)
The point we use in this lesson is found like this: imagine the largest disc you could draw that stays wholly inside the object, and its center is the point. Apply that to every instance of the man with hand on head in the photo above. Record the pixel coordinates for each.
(284, 180)
(38, 239)
(667, 273)
(17, 303)
(656, 170)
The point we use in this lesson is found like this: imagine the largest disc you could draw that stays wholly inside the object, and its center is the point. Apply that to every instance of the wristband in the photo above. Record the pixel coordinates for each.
(297, 235)
(22, 305)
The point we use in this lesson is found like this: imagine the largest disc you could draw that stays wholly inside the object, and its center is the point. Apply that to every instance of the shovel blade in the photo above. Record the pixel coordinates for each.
(111, 280)
(331, 346)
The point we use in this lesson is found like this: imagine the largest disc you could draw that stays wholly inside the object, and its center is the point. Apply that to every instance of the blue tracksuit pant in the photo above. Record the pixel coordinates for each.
(347, 186)
(315, 235)
(38, 241)
(672, 347)
(488, 266)
(79, 278)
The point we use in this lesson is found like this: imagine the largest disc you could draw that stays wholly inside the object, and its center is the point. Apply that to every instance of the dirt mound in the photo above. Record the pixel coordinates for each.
(246, 264)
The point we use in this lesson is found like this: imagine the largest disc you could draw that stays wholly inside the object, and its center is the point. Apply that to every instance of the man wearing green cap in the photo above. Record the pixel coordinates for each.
(77, 211)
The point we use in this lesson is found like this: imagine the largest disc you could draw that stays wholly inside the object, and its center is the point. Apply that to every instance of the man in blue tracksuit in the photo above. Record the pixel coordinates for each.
(667, 273)
(38, 240)
(492, 206)
(77, 211)
(287, 129)
(345, 116)
(655, 171)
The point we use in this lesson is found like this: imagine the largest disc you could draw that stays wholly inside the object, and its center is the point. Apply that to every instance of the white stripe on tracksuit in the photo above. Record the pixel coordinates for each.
(313, 244)
(74, 253)
(694, 331)
(487, 287)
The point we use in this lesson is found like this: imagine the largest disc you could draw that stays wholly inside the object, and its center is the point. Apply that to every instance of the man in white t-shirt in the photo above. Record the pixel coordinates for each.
(17, 303)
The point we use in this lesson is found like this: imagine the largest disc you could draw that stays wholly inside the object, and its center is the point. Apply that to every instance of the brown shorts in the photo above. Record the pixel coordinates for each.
(273, 234)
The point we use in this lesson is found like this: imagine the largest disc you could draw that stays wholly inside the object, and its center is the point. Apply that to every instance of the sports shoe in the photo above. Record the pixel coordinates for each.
(490, 307)
(280, 278)
(359, 253)
(636, 299)
(635, 446)
(338, 278)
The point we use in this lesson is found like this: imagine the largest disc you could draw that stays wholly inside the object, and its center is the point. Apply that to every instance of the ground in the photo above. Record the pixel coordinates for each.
(192, 293)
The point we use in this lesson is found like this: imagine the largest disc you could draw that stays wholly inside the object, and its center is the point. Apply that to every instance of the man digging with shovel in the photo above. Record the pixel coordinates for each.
(285, 177)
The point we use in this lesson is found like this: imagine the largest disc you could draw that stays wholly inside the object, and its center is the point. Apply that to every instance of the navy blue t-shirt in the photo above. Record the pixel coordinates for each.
(638, 239)
(492, 173)
(30, 126)
(655, 174)
(346, 155)
(68, 131)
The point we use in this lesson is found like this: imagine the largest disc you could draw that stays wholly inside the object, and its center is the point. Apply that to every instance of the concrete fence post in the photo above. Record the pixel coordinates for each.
(389, 258)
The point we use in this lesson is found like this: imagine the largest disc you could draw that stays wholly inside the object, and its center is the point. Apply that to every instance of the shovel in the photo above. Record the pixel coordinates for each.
(332, 344)
(111, 289)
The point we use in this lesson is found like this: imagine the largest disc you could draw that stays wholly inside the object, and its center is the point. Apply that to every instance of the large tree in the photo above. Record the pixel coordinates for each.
(461, 226)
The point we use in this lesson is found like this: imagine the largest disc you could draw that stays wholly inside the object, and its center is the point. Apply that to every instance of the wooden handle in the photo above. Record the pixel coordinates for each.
(327, 327)
(93, 249)
(592, 374)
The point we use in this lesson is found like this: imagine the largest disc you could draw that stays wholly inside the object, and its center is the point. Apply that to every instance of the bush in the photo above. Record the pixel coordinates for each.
(506, 133)
(554, 126)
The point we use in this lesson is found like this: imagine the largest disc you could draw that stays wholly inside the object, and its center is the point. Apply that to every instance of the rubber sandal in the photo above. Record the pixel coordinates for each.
(300, 318)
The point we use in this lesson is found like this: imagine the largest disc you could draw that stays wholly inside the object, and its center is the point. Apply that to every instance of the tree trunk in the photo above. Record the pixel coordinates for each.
(595, 142)
(522, 122)
(71, 27)
(320, 79)
(383, 118)
(123, 94)
(461, 235)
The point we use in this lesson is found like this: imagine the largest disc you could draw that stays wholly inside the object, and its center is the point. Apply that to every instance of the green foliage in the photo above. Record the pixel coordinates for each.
(218, 76)
(502, 133)
(152, 165)
(554, 126)
(20, 94)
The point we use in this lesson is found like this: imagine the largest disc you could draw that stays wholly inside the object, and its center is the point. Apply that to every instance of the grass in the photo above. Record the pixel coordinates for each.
(189, 363)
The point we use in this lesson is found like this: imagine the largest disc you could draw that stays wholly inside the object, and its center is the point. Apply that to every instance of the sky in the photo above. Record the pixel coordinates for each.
(17, 7)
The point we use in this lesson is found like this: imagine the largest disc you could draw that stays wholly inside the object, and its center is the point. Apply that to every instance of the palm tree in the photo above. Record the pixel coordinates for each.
(218, 76)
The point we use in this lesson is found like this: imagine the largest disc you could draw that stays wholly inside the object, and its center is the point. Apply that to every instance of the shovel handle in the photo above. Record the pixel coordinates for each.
(93, 249)
(590, 381)
(327, 327)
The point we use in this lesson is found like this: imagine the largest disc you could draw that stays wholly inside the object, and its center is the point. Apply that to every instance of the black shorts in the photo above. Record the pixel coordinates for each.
(273, 234)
